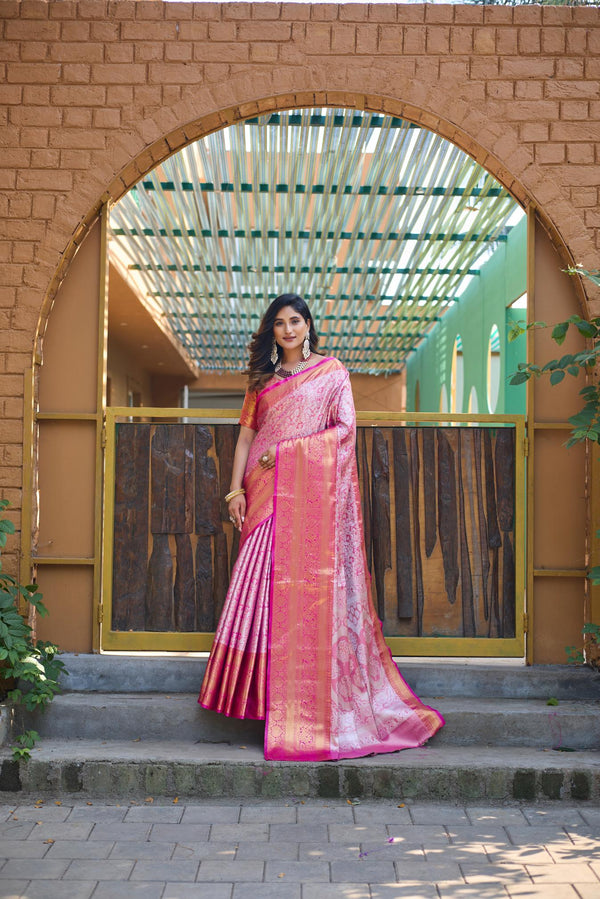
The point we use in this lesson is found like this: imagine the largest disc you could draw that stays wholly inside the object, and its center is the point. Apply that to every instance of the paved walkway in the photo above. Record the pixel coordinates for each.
(293, 849)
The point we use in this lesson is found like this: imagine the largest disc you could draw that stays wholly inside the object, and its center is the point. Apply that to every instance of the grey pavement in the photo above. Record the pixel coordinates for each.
(298, 849)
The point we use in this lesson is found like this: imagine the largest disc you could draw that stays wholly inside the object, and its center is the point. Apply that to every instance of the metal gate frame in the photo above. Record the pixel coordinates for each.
(172, 641)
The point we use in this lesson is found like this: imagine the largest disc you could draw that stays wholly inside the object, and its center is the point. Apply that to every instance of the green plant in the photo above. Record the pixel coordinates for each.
(585, 423)
(29, 668)
(25, 743)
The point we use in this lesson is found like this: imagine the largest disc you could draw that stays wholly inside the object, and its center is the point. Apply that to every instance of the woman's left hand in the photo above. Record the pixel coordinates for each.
(267, 460)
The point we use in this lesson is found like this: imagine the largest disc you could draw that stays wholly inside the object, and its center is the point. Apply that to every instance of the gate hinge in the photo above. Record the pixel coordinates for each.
(526, 446)
(103, 437)
(100, 614)
(525, 623)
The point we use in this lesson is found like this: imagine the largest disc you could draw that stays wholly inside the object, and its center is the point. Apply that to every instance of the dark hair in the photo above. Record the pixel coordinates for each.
(260, 368)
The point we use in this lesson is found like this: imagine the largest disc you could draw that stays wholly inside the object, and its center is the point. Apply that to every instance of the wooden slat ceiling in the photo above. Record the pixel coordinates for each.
(377, 222)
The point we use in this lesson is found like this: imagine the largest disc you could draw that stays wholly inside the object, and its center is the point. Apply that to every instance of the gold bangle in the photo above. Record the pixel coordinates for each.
(233, 493)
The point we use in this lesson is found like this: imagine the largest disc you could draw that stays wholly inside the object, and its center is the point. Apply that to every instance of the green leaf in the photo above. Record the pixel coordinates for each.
(559, 332)
(587, 328)
(573, 370)
(552, 701)
(519, 377)
(556, 377)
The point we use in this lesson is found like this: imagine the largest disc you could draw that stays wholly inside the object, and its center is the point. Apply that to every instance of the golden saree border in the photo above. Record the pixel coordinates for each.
(259, 499)
(299, 668)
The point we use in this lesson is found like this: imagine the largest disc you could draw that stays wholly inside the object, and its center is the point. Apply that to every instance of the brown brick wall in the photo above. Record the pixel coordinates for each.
(94, 93)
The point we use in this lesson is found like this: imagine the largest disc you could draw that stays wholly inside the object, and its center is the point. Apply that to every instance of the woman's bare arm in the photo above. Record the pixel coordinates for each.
(237, 506)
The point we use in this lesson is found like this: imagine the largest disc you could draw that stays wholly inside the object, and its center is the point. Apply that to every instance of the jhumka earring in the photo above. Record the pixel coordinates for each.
(306, 346)
(274, 354)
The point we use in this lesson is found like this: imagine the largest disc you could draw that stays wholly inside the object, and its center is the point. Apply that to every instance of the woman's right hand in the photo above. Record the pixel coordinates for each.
(237, 511)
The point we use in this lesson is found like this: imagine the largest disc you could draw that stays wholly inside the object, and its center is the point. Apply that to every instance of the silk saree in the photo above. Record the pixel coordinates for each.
(298, 642)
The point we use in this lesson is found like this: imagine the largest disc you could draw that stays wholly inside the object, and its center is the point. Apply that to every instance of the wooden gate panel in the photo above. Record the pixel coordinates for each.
(132, 454)
(452, 496)
(439, 510)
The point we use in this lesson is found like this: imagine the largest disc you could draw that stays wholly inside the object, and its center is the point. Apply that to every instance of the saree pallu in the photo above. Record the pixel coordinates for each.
(317, 668)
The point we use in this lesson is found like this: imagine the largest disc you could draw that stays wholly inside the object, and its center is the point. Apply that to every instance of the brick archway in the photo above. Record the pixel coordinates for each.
(491, 141)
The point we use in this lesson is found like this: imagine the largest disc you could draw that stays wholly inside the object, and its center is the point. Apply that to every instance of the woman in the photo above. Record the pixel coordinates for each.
(298, 642)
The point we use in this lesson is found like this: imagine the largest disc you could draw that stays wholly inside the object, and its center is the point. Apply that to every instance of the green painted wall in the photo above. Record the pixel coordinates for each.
(484, 304)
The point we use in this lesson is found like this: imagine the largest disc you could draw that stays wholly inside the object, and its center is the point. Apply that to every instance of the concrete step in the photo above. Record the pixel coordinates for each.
(109, 673)
(158, 716)
(182, 768)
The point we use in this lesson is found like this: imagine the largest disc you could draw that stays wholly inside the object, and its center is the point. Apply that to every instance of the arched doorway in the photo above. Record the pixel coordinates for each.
(79, 564)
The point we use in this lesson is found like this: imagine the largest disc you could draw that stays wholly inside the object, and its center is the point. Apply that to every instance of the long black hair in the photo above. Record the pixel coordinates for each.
(260, 368)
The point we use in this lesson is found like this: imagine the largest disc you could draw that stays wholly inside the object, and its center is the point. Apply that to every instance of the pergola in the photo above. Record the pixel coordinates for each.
(377, 222)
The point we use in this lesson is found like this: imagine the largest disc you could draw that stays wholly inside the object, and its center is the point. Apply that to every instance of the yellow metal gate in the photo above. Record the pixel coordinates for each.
(443, 499)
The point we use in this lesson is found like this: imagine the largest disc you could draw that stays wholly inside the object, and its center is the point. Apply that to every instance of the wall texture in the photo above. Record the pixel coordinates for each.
(94, 93)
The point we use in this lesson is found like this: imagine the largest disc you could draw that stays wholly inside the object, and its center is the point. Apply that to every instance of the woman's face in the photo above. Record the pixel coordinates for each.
(290, 328)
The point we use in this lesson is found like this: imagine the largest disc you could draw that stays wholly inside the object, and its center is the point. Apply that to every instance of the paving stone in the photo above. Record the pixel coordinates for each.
(477, 891)
(161, 814)
(270, 815)
(561, 816)
(486, 872)
(302, 872)
(404, 891)
(225, 851)
(536, 835)
(487, 816)
(57, 830)
(299, 833)
(468, 852)
(399, 850)
(488, 834)
(79, 849)
(211, 814)
(585, 890)
(538, 891)
(132, 849)
(43, 813)
(278, 890)
(98, 814)
(576, 853)
(266, 851)
(34, 868)
(352, 833)
(326, 814)
(24, 849)
(387, 814)
(423, 834)
(430, 872)
(60, 889)
(119, 832)
(99, 869)
(171, 871)
(195, 891)
(438, 814)
(11, 889)
(175, 833)
(522, 855)
(591, 815)
(565, 873)
(13, 830)
(215, 871)
(329, 852)
(128, 889)
(363, 871)
(237, 833)
(336, 891)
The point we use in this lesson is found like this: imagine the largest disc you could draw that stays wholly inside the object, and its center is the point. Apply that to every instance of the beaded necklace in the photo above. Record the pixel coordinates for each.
(287, 373)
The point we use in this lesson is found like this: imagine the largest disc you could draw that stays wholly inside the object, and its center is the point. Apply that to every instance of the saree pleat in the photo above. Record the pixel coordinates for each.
(299, 642)
(235, 678)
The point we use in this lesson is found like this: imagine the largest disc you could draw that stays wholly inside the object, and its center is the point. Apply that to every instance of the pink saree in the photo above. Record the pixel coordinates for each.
(298, 642)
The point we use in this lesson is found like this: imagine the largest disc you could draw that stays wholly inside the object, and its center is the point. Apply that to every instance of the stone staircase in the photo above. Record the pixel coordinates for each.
(131, 726)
